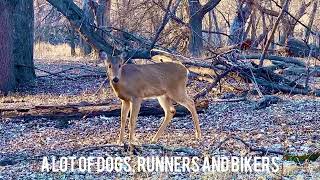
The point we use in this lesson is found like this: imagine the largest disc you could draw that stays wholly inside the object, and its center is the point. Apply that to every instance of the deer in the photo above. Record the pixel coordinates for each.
(133, 83)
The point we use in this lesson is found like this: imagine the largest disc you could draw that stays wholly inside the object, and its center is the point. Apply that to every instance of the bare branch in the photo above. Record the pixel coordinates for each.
(165, 21)
(209, 6)
(272, 33)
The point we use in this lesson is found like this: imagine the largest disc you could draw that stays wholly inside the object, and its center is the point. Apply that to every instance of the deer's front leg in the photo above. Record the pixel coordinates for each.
(125, 107)
(135, 108)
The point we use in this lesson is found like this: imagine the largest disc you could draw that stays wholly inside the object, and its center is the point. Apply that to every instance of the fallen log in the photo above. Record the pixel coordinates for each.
(269, 75)
(299, 48)
(290, 60)
(313, 71)
(266, 101)
(85, 110)
(282, 87)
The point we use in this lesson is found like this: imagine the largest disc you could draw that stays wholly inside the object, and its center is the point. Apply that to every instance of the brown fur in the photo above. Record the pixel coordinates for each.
(166, 81)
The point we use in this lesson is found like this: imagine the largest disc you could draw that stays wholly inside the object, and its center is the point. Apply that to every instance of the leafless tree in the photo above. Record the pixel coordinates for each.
(16, 43)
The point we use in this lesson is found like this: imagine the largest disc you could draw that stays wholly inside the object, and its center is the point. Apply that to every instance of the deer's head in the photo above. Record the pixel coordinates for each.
(113, 66)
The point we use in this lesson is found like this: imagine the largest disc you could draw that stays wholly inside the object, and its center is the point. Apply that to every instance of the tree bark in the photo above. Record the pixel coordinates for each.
(275, 26)
(16, 40)
(7, 80)
(237, 30)
(218, 38)
(23, 40)
(195, 22)
(88, 17)
(72, 41)
(196, 14)
(311, 19)
(103, 13)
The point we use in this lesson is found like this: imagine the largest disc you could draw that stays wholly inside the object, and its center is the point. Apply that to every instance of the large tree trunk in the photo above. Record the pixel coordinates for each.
(23, 40)
(195, 42)
(7, 81)
(16, 40)
(196, 14)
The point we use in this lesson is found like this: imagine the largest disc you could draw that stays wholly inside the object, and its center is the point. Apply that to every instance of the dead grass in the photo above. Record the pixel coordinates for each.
(47, 50)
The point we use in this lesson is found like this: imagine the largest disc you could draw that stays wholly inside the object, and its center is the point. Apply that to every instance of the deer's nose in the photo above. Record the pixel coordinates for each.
(115, 80)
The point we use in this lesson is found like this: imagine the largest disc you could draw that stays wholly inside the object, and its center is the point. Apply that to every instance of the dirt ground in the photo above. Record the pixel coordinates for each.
(291, 126)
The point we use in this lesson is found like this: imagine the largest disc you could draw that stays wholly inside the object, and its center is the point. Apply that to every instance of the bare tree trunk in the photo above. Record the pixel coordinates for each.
(210, 27)
(102, 16)
(103, 13)
(217, 28)
(264, 33)
(23, 40)
(237, 30)
(196, 14)
(7, 80)
(298, 15)
(72, 40)
(274, 28)
(88, 16)
(313, 14)
(285, 25)
(196, 38)
(254, 25)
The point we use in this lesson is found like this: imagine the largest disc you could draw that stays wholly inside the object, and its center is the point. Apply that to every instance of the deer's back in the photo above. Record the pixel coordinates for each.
(152, 79)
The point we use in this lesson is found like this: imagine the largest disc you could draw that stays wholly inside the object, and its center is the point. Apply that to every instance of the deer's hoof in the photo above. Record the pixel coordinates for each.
(119, 142)
(133, 141)
(198, 136)
(153, 140)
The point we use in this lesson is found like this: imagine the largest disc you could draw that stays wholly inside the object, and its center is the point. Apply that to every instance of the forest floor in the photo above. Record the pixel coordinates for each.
(292, 126)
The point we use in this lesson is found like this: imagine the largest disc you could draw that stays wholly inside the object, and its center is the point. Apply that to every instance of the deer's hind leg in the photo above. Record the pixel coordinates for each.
(169, 111)
(181, 97)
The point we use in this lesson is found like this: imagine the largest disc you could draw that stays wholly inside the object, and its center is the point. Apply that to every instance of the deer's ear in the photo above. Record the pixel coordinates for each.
(123, 57)
(103, 55)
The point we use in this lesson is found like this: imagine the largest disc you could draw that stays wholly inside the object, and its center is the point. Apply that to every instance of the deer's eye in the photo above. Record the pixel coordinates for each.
(109, 65)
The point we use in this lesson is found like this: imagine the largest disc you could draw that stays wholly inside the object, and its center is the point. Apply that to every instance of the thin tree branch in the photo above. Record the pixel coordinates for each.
(165, 21)
(265, 49)
(209, 6)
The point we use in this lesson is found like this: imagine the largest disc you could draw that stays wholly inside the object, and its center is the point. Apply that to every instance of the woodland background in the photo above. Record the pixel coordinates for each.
(254, 73)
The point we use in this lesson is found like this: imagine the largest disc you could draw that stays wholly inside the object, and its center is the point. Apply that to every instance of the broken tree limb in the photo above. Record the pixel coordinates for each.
(212, 85)
(290, 60)
(70, 111)
(265, 76)
(299, 71)
(88, 31)
(281, 87)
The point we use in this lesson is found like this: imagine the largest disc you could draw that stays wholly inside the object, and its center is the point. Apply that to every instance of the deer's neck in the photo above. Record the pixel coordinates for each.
(117, 90)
